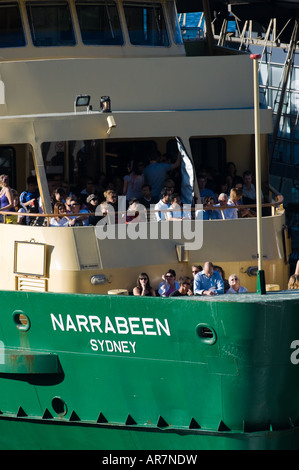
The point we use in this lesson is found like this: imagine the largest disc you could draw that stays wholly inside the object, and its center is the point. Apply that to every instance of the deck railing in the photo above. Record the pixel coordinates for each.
(276, 205)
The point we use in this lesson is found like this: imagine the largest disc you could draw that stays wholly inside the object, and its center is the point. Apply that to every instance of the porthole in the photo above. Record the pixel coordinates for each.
(206, 333)
(21, 320)
(59, 406)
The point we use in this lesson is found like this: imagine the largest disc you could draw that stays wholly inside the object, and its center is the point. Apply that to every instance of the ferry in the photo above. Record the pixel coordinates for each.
(87, 87)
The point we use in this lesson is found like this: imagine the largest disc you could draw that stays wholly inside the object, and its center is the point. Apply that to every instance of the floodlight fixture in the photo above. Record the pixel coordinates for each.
(82, 101)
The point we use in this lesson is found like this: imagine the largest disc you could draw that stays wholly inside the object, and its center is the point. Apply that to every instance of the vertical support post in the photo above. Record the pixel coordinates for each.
(261, 286)
(208, 22)
(42, 179)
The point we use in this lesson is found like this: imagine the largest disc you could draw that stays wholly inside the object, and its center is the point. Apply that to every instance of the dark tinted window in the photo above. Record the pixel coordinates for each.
(11, 28)
(8, 164)
(99, 23)
(146, 24)
(50, 24)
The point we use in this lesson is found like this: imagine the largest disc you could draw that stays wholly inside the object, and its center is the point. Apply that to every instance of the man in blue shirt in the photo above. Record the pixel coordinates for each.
(32, 194)
(208, 281)
(155, 173)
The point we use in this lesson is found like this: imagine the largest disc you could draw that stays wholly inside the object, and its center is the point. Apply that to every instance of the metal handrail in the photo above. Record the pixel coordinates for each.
(277, 203)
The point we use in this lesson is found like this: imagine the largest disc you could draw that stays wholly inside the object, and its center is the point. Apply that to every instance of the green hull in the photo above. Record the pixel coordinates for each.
(26, 434)
(127, 373)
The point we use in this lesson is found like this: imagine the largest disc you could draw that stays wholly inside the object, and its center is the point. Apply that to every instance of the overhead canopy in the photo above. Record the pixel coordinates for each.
(260, 11)
(245, 9)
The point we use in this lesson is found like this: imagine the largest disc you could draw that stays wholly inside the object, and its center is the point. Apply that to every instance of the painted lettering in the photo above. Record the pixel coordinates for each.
(135, 326)
(95, 322)
(148, 324)
(82, 321)
(108, 326)
(57, 322)
(109, 346)
(122, 325)
(70, 324)
(117, 325)
(160, 327)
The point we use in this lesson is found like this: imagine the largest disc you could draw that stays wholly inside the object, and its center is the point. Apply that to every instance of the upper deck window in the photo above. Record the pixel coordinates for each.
(99, 23)
(11, 28)
(146, 24)
(50, 24)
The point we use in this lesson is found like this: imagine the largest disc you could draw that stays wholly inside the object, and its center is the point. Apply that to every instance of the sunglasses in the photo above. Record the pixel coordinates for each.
(143, 279)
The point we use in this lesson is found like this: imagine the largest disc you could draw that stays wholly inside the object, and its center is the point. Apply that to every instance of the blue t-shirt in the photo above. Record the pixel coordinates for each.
(155, 174)
(28, 195)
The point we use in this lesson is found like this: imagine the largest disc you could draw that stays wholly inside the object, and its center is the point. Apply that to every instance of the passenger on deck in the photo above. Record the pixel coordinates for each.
(170, 186)
(59, 195)
(169, 284)
(155, 173)
(236, 199)
(294, 279)
(92, 203)
(207, 213)
(293, 282)
(89, 188)
(176, 211)
(208, 281)
(81, 215)
(234, 196)
(249, 191)
(144, 288)
(136, 212)
(6, 198)
(195, 268)
(21, 220)
(133, 182)
(223, 201)
(202, 182)
(222, 273)
(147, 200)
(185, 287)
(31, 195)
(59, 220)
(235, 287)
(162, 205)
(111, 198)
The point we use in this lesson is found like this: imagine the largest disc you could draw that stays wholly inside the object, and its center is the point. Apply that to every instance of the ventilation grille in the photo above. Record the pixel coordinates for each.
(31, 284)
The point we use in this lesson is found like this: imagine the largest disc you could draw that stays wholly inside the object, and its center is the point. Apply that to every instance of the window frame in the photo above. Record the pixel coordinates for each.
(33, 31)
(148, 5)
(104, 3)
(15, 4)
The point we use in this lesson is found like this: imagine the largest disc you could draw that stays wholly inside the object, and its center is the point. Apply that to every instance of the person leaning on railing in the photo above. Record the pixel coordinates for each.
(294, 279)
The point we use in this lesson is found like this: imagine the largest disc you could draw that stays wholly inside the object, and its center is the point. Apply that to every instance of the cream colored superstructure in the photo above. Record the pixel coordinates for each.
(157, 93)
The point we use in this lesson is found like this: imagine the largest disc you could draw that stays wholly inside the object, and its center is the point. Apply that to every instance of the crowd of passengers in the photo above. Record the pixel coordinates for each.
(208, 280)
(156, 185)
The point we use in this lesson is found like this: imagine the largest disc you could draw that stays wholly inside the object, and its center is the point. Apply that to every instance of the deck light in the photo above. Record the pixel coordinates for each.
(98, 279)
(82, 101)
(111, 123)
(105, 104)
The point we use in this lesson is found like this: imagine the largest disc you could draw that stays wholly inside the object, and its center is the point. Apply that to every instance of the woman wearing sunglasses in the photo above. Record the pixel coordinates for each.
(143, 287)
(169, 284)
